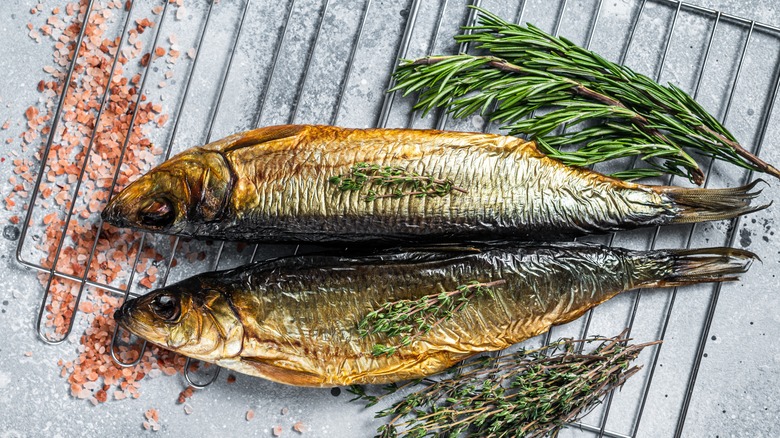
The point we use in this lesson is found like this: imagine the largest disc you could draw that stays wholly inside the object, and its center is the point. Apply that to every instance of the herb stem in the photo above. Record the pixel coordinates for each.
(396, 182)
(530, 392)
(608, 111)
(410, 319)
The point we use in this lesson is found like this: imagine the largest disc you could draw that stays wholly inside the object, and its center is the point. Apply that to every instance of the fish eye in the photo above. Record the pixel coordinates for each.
(159, 213)
(166, 306)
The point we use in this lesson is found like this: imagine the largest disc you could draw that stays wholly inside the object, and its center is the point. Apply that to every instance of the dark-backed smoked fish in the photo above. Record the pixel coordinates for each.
(295, 320)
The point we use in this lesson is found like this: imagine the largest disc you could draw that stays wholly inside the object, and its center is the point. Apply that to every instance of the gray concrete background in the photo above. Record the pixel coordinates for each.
(736, 391)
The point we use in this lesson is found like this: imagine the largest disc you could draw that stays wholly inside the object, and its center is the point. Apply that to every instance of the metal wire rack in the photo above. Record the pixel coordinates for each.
(299, 27)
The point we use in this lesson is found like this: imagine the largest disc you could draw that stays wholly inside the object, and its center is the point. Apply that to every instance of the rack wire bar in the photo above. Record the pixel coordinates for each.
(621, 60)
(653, 242)
(730, 242)
(233, 51)
(689, 239)
(658, 73)
(168, 150)
(50, 140)
(462, 48)
(547, 337)
(303, 84)
(415, 114)
(403, 49)
(44, 160)
(79, 180)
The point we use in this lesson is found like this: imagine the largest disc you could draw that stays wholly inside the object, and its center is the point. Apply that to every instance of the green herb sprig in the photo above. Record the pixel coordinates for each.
(392, 182)
(410, 319)
(607, 110)
(530, 393)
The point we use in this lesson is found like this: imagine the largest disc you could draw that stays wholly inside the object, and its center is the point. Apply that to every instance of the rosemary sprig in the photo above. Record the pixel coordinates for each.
(608, 111)
(393, 182)
(528, 393)
(410, 319)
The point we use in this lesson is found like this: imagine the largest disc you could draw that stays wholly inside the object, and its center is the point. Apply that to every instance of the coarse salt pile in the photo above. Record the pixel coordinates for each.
(152, 420)
(92, 375)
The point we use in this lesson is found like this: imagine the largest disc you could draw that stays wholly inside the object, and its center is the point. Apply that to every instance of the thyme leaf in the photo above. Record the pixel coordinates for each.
(532, 393)
(410, 319)
(392, 182)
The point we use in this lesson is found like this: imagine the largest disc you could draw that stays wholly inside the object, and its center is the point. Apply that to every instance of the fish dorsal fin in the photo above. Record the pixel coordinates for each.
(255, 137)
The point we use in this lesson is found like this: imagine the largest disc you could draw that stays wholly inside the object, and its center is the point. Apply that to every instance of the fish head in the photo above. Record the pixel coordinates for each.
(196, 321)
(179, 195)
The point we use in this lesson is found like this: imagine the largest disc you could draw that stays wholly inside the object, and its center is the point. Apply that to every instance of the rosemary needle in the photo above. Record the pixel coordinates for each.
(608, 110)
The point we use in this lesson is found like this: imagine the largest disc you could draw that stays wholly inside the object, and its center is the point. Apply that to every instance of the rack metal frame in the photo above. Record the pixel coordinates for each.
(717, 19)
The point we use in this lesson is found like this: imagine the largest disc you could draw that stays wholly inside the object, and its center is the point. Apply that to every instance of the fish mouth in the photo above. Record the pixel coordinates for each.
(127, 318)
(121, 314)
(111, 214)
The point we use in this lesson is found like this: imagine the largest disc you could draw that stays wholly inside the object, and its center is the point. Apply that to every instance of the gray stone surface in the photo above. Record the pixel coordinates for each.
(736, 391)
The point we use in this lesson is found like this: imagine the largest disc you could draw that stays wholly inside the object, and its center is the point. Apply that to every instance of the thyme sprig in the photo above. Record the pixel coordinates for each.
(410, 319)
(392, 182)
(530, 393)
(608, 111)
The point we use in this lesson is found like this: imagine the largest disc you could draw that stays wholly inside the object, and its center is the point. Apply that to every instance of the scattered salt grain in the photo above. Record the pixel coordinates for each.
(152, 420)
(184, 395)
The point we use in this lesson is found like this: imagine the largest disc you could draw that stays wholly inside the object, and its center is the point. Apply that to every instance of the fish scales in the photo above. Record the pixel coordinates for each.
(295, 320)
(274, 184)
(325, 304)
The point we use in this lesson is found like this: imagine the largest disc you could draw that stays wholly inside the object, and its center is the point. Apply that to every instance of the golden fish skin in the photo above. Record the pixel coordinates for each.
(274, 185)
(295, 320)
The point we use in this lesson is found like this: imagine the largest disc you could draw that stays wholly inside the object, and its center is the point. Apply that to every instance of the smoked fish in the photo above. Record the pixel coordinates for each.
(296, 320)
(309, 183)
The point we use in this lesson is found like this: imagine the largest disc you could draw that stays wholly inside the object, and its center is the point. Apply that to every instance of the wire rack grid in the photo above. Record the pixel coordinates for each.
(327, 61)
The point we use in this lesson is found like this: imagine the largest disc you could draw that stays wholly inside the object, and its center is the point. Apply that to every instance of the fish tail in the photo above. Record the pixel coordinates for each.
(700, 205)
(672, 268)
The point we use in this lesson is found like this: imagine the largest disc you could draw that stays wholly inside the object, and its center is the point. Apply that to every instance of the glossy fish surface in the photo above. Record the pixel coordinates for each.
(310, 183)
(295, 320)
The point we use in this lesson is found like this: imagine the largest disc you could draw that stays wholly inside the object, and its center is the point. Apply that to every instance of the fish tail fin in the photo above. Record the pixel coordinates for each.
(700, 205)
(691, 266)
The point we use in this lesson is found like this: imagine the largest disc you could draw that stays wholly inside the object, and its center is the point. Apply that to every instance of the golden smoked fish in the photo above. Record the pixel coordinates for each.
(309, 183)
(295, 320)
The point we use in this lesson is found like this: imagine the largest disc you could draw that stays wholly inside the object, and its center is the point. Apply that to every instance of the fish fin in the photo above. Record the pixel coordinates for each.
(693, 266)
(432, 247)
(385, 254)
(267, 369)
(699, 205)
(256, 136)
